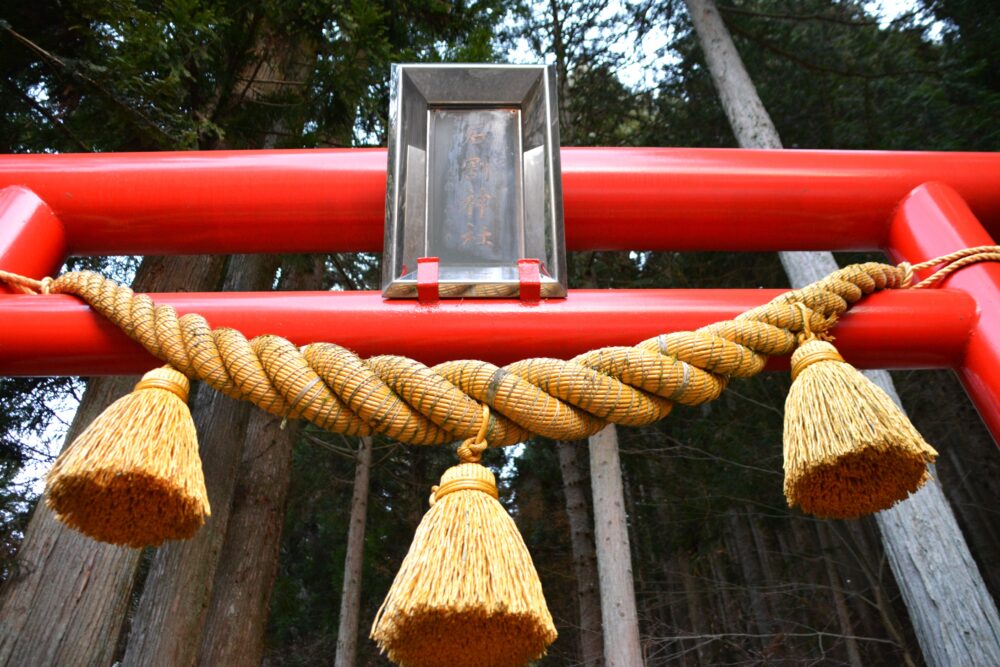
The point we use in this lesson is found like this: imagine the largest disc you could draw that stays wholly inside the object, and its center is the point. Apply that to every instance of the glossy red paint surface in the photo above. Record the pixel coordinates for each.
(32, 242)
(59, 335)
(932, 221)
(614, 198)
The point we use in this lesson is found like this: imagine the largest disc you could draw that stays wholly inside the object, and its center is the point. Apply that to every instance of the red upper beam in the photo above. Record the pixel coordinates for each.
(615, 198)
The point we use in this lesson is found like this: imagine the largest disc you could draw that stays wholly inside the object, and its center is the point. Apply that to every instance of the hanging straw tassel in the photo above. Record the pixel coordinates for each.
(467, 594)
(849, 449)
(134, 476)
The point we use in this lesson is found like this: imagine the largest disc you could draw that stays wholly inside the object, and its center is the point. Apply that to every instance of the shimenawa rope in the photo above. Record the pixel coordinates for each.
(403, 399)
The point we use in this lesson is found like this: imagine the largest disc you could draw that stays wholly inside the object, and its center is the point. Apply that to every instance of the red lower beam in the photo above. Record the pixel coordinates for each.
(59, 335)
(614, 198)
(932, 221)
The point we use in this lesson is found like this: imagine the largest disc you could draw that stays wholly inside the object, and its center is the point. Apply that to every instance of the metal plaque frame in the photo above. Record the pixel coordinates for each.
(444, 199)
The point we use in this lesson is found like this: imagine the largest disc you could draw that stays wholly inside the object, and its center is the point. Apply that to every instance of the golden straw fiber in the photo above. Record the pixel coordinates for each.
(849, 449)
(134, 477)
(467, 594)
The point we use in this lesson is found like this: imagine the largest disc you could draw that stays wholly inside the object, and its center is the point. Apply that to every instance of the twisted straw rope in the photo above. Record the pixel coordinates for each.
(336, 390)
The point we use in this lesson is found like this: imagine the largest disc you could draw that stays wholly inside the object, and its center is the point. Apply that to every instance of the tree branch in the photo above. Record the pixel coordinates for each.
(48, 115)
(728, 9)
(767, 46)
(137, 118)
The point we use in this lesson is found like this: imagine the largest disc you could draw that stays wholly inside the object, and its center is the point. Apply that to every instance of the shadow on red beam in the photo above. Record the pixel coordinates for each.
(59, 335)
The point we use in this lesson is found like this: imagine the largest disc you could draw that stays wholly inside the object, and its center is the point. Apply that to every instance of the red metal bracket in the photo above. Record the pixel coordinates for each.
(428, 292)
(530, 280)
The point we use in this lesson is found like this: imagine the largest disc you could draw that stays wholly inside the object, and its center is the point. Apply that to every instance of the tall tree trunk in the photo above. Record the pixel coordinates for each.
(746, 554)
(955, 619)
(696, 614)
(237, 614)
(178, 602)
(350, 599)
(168, 623)
(872, 564)
(953, 615)
(720, 583)
(68, 600)
(746, 113)
(581, 534)
(240, 595)
(837, 594)
(614, 559)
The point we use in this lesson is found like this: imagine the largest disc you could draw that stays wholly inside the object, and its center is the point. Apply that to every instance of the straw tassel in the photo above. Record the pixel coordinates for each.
(134, 477)
(849, 449)
(467, 594)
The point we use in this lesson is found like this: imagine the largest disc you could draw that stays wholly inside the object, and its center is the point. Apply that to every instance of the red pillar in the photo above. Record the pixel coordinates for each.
(934, 220)
(32, 241)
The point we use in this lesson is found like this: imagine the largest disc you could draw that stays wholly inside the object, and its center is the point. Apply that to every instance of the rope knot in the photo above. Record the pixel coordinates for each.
(907, 270)
(807, 333)
(813, 351)
(471, 451)
(465, 477)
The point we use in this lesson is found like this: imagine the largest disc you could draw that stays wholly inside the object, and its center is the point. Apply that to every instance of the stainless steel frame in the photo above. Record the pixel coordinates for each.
(508, 194)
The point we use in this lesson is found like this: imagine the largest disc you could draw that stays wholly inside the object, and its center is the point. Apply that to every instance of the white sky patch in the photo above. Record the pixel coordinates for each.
(33, 473)
(887, 11)
(642, 62)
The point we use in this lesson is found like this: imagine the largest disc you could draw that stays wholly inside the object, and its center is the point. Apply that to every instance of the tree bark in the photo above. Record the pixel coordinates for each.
(746, 553)
(696, 615)
(179, 618)
(953, 615)
(67, 602)
(837, 594)
(236, 619)
(237, 613)
(581, 535)
(168, 623)
(350, 599)
(614, 558)
(955, 619)
(746, 113)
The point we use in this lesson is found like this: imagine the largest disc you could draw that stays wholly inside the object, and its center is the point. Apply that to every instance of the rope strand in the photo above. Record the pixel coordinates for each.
(953, 262)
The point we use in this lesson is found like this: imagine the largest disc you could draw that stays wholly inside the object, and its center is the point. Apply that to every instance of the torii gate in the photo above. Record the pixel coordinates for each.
(913, 206)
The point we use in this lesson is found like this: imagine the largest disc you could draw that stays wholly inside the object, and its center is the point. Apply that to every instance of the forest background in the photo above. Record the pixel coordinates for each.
(724, 572)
